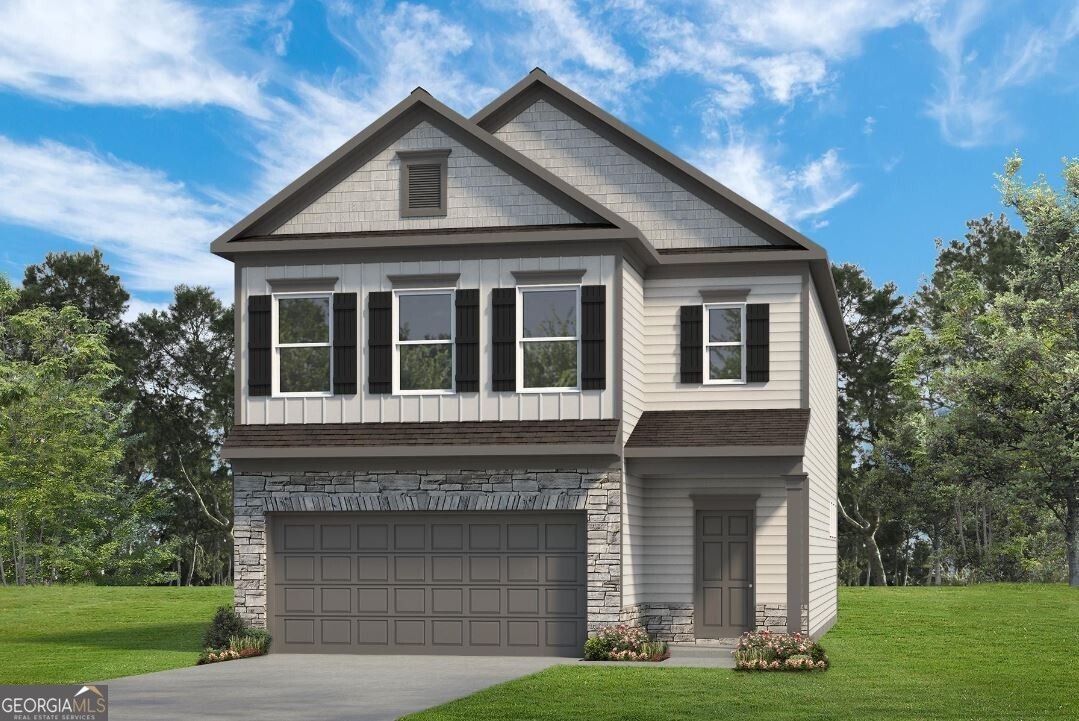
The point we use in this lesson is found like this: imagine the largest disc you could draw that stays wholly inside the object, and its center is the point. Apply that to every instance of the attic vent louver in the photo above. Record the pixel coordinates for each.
(423, 182)
(424, 185)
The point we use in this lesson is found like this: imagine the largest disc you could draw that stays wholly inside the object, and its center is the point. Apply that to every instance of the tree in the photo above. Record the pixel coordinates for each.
(1007, 362)
(60, 439)
(183, 409)
(869, 406)
(79, 279)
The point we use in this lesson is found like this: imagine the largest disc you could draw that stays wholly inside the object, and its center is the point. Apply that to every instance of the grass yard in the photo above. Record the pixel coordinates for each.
(73, 634)
(984, 652)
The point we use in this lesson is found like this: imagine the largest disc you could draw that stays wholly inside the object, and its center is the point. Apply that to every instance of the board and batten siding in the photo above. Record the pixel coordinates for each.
(485, 405)
(663, 387)
(478, 194)
(821, 466)
(660, 527)
(633, 370)
(666, 213)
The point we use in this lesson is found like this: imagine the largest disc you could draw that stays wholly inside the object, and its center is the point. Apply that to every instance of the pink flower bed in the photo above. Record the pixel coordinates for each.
(766, 651)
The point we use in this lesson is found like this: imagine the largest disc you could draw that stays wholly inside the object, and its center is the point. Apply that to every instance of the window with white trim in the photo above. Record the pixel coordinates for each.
(302, 334)
(423, 344)
(725, 342)
(548, 330)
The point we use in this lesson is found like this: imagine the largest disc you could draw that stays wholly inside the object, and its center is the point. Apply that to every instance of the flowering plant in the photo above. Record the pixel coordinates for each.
(766, 651)
(624, 643)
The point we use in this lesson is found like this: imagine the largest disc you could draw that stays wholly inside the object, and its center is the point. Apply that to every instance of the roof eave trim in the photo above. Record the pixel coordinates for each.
(507, 449)
(713, 451)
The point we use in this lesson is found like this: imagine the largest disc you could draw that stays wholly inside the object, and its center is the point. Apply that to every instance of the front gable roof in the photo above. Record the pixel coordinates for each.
(537, 85)
(257, 230)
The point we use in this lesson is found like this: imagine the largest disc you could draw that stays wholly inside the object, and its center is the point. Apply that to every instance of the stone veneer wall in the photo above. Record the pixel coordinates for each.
(673, 622)
(598, 492)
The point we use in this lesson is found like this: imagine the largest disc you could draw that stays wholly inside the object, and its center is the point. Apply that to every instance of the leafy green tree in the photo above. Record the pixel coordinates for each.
(183, 410)
(1008, 362)
(869, 407)
(60, 440)
(79, 279)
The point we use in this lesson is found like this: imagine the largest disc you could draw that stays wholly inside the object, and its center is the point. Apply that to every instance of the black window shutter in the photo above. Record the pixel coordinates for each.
(593, 337)
(259, 345)
(756, 342)
(467, 340)
(380, 342)
(504, 339)
(344, 343)
(692, 361)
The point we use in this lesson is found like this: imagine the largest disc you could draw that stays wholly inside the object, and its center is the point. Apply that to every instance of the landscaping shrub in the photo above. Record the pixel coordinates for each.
(624, 643)
(765, 651)
(228, 638)
(226, 624)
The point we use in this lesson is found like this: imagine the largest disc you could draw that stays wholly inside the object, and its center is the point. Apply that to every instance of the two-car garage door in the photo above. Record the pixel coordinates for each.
(479, 583)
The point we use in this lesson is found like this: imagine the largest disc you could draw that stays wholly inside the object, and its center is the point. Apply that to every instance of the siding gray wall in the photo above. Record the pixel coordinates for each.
(633, 370)
(821, 465)
(658, 519)
(478, 194)
(667, 214)
(484, 274)
(663, 391)
(632, 532)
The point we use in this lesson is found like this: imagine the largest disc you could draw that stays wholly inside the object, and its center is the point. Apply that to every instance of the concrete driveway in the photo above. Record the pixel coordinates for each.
(288, 687)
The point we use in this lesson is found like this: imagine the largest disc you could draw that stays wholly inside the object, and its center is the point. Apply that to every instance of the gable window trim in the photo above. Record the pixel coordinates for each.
(710, 344)
(522, 340)
(410, 158)
(450, 292)
(275, 357)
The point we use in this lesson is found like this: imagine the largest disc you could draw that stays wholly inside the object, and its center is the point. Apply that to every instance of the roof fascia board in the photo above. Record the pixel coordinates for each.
(711, 451)
(528, 90)
(558, 449)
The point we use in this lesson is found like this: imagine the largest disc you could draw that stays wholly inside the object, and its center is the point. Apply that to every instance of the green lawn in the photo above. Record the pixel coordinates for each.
(986, 652)
(73, 634)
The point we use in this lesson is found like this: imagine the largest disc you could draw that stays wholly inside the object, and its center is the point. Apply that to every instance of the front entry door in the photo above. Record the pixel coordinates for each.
(724, 598)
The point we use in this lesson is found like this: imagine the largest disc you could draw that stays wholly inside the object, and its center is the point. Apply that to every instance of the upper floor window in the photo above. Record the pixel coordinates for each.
(423, 357)
(423, 182)
(549, 333)
(302, 337)
(724, 342)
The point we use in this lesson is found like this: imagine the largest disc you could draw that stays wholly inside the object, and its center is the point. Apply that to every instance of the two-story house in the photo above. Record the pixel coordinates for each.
(502, 380)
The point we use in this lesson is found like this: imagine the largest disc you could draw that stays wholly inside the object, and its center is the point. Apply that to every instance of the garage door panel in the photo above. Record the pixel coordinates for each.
(431, 582)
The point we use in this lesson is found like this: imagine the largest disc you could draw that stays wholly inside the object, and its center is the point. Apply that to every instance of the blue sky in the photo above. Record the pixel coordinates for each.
(146, 128)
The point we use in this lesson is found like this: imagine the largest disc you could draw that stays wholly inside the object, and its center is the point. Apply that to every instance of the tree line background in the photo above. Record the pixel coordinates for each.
(958, 416)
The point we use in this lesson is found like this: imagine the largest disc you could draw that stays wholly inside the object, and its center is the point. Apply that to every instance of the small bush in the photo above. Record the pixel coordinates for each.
(253, 639)
(226, 624)
(765, 651)
(624, 643)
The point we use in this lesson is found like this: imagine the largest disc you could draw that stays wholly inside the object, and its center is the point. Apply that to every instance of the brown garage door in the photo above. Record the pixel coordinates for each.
(479, 583)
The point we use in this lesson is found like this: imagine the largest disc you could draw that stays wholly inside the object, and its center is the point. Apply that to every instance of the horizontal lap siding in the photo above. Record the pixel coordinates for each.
(668, 214)
(821, 466)
(660, 526)
(663, 387)
(485, 405)
(478, 194)
(632, 527)
(633, 371)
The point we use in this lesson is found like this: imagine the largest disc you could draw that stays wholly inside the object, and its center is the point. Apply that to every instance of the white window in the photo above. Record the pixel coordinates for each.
(724, 342)
(302, 335)
(423, 345)
(549, 335)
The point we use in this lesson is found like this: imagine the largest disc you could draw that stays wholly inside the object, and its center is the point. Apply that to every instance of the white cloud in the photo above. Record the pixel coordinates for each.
(869, 125)
(157, 53)
(791, 75)
(156, 228)
(805, 193)
(970, 103)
